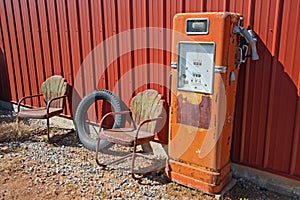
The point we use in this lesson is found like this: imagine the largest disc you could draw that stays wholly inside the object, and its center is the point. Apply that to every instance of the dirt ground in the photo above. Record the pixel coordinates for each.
(30, 168)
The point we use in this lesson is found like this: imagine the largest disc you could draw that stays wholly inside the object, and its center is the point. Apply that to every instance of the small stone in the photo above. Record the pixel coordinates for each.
(4, 149)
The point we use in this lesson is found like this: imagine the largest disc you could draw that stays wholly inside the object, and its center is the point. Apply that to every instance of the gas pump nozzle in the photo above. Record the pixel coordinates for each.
(250, 37)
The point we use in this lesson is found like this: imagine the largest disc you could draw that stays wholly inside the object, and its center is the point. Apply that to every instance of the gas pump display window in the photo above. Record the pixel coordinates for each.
(196, 66)
(197, 26)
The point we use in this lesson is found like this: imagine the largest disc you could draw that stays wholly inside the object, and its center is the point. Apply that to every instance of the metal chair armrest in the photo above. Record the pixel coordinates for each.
(26, 97)
(53, 99)
(145, 122)
(112, 113)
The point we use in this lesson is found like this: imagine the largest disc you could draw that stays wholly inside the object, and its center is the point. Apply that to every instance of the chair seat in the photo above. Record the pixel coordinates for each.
(126, 136)
(39, 113)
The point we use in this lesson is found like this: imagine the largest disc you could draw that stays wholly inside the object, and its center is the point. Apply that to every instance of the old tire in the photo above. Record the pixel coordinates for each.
(83, 132)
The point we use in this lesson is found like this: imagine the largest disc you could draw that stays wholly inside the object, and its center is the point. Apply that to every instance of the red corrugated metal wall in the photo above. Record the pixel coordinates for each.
(39, 38)
(266, 134)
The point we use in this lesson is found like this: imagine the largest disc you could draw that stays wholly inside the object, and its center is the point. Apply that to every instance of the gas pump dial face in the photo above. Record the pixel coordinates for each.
(196, 67)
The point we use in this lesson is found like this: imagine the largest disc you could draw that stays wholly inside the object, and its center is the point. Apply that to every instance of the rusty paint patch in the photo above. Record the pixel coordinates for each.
(197, 115)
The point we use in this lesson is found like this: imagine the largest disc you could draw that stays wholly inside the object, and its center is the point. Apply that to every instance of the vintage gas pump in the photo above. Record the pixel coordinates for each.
(209, 48)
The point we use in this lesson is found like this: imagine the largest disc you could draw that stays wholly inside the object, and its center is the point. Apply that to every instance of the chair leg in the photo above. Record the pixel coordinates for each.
(48, 129)
(107, 163)
(18, 124)
(97, 151)
(132, 165)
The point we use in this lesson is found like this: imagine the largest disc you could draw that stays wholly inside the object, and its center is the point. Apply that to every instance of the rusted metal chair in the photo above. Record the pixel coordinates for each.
(146, 110)
(54, 91)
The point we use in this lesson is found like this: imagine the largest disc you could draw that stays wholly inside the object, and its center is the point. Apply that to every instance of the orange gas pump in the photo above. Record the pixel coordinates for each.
(208, 48)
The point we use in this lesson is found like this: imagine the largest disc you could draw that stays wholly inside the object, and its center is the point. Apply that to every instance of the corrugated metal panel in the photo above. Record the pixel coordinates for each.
(125, 61)
(266, 132)
(36, 45)
(295, 168)
(13, 48)
(140, 20)
(258, 87)
(98, 37)
(20, 45)
(27, 49)
(216, 6)
(3, 70)
(42, 38)
(6, 82)
(289, 60)
(289, 40)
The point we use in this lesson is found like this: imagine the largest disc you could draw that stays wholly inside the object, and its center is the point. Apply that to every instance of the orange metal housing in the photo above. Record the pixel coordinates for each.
(199, 153)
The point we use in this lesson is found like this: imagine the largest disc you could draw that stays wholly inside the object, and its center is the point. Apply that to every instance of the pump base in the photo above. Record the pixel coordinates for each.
(207, 181)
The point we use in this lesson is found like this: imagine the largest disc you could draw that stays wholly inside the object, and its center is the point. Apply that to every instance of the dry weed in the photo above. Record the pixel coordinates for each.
(11, 131)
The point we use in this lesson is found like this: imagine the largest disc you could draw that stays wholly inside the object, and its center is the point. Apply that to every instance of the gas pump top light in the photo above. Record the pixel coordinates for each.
(197, 26)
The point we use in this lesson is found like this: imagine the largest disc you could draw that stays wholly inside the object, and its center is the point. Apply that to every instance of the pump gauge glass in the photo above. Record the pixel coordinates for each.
(196, 66)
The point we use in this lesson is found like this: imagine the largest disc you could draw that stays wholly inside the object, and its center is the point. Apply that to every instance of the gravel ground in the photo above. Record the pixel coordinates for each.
(32, 169)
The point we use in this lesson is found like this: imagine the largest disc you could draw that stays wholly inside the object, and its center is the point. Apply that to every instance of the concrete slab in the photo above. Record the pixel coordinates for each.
(272, 182)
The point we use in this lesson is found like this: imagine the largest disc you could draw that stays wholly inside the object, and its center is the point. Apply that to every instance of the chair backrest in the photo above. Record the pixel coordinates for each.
(54, 86)
(146, 105)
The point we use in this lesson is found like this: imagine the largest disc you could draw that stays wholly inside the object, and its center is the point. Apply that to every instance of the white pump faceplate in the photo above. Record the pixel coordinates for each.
(196, 66)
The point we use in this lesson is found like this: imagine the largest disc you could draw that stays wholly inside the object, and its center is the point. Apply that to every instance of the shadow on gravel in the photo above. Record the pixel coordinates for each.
(155, 179)
(151, 167)
(64, 137)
